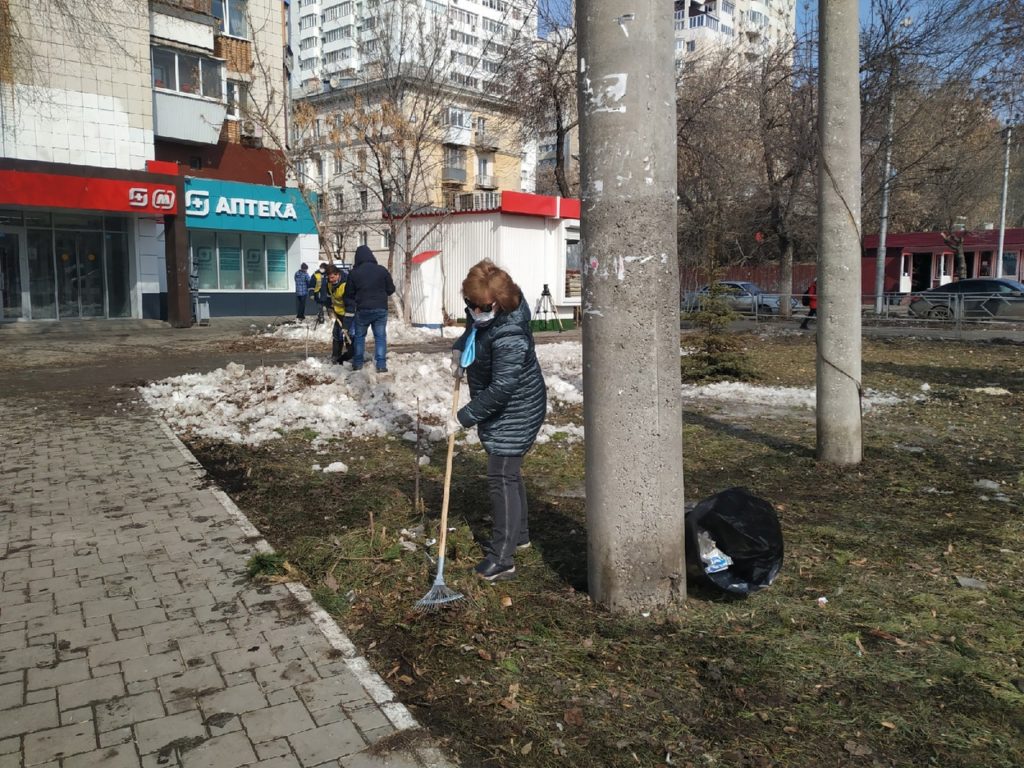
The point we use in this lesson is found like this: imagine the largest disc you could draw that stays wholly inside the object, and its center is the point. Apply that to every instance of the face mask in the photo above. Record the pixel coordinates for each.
(481, 318)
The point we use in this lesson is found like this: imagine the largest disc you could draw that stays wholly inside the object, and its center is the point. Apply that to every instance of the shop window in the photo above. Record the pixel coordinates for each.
(204, 262)
(277, 262)
(187, 73)
(231, 17)
(255, 262)
(119, 301)
(229, 257)
(1009, 265)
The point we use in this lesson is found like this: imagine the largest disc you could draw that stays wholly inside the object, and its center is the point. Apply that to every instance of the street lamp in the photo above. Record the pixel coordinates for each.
(1002, 203)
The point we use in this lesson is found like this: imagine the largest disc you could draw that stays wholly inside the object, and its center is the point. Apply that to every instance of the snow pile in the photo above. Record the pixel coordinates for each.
(774, 397)
(398, 332)
(251, 406)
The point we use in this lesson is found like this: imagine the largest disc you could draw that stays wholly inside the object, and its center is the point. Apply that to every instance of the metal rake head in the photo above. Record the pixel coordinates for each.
(439, 596)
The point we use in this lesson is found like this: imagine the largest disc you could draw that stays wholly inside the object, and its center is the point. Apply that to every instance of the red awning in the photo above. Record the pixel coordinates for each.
(419, 258)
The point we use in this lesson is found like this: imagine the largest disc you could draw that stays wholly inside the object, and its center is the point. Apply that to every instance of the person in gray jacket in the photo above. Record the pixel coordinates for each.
(508, 402)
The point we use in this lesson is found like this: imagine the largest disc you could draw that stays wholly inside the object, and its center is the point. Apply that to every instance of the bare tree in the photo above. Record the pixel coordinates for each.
(784, 93)
(397, 127)
(542, 73)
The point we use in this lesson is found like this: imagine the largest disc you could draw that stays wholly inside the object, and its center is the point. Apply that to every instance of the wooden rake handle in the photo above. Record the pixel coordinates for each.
(441, 550)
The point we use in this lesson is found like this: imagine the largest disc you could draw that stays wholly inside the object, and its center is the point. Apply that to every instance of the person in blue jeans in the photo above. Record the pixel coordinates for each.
(301, 291)
(369, 286)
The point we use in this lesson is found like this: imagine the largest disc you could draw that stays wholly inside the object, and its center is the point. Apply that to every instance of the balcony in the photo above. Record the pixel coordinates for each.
(187, 118)
(486, 181)
(485, 141)
(458, 135)
(450, 175)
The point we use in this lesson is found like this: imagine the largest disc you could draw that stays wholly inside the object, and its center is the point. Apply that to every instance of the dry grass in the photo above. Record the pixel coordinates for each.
(902, 666)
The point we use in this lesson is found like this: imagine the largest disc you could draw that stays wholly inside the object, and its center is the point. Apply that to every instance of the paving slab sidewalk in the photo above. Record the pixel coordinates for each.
(130, 635)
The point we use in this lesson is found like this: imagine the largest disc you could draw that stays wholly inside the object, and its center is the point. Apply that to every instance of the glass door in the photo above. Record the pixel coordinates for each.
(12, 251)
(80, 274)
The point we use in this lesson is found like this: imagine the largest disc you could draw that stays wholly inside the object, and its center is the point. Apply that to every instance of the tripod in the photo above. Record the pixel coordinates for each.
(546, 307)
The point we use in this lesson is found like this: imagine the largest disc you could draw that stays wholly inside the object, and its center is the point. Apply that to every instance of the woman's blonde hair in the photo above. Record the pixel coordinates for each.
(487, 283)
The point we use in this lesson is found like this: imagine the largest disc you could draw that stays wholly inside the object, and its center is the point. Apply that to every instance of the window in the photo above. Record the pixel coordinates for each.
(231, 17)
(339, 201)
(481, 125)
(187, 73)
(308, 42)
(308, 21)
(308, 63)
(489, 25)
(1009, 264)
(463, 37)
(238, 98)
(364, 201)
(691, 46)
(464, 17)
(255, 262)
(483, 165)
(236, 261)
(364, 237)
(341, 33)
(204, 261)
(229, 257)
(277, 262)
(454, 157)
(464, 80)
(459, 118)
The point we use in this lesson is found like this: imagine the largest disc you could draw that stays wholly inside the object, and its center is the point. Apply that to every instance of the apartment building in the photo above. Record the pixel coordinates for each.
(749, 25)
(449, 56)
(131, 172)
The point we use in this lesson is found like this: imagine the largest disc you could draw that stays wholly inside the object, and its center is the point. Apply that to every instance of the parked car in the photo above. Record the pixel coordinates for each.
(976, 298)
(742, 296)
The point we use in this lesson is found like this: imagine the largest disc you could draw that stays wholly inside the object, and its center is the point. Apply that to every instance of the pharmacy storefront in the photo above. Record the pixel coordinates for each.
(245, 243)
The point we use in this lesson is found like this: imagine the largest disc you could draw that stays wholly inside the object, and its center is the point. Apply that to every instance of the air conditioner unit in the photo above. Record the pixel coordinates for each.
(251, 130)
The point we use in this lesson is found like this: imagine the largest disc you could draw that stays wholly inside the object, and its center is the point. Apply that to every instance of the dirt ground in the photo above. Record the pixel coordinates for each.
(912, 658)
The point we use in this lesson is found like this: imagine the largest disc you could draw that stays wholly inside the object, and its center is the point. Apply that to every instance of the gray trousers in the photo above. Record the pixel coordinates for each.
(508, 507)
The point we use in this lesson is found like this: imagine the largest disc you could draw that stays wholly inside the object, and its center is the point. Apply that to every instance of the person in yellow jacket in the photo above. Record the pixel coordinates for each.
(318, 290)
(341, 334)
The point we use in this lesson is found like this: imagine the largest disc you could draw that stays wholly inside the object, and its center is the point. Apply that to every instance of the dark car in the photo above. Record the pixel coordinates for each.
(742, 296)
(976, 298)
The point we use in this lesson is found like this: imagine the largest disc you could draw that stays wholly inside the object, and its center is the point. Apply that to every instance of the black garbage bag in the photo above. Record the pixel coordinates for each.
(734, 541)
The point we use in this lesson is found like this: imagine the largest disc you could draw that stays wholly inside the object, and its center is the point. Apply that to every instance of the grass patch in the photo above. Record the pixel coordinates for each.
(902, 666)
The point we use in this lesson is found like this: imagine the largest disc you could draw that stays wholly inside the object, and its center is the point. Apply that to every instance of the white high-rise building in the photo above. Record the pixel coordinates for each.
(749, 25)
(331, 40)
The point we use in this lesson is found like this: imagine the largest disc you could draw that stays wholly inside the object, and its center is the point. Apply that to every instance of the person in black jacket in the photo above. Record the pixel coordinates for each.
(508, 402)
(369, 285)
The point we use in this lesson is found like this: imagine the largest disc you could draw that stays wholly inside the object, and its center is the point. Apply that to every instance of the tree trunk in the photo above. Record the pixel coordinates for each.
(961, 261)
(407, 275)
(560, 180)
(786, 279)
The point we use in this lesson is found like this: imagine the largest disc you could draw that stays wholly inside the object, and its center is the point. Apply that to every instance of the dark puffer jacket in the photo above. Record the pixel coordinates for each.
(369, 284)
(509, 399)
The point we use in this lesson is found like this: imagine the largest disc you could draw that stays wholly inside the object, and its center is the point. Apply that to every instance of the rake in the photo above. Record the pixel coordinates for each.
(440, 595)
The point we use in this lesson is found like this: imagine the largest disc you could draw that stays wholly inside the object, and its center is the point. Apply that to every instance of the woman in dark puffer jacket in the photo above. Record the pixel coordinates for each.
(507, 406)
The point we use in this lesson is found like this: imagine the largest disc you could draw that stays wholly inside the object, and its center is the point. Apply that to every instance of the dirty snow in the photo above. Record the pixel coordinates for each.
(398, 333)
(253, 405)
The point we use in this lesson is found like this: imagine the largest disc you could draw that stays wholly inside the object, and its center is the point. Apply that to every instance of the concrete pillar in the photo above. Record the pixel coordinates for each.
(839, 221)
(631, 375)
